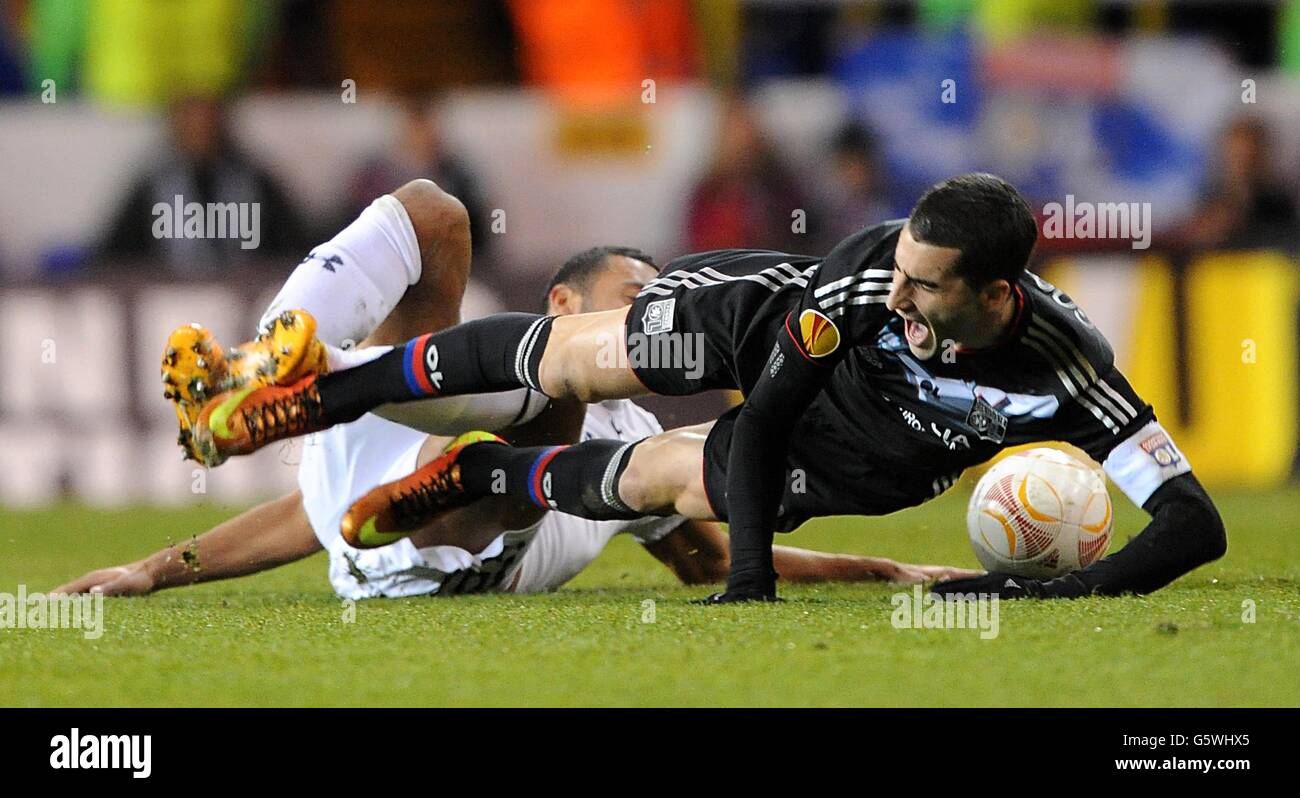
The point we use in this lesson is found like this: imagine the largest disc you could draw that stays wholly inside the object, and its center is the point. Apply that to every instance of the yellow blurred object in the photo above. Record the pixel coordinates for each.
(1240, 356)
(1007, 20)
(153, 52)
(1242, 363)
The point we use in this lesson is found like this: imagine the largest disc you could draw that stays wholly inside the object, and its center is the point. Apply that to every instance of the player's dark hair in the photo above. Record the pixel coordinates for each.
(578, 271)
(983, 216)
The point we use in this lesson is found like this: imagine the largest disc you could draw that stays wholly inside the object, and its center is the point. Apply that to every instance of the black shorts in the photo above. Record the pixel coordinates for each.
(676, 346)
(709, 320)
(826, 474)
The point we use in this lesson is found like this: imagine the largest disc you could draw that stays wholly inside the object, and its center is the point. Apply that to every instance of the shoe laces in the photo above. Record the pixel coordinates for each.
(286, 416)
(417, 503)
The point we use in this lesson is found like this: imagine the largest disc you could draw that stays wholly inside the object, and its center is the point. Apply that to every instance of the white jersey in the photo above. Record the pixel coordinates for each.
(347, 461)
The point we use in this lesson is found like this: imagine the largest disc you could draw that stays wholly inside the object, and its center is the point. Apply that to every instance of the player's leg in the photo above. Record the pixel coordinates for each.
(665, 474)
(414, 241)
(582, 357)
(347, 286)
(472, 549)
(432, 301)
(585, 479)
(681, 348)
(400, 267)
(478, 524)
(498, 353)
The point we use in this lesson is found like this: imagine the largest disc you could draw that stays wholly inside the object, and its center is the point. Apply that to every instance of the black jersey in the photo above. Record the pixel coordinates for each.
(1053, 378)
(738, 300)
(890, 431)
(802, 336)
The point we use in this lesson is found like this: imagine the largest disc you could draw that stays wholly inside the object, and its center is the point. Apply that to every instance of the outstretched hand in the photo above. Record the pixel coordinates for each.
(121, 580)
(903, 573)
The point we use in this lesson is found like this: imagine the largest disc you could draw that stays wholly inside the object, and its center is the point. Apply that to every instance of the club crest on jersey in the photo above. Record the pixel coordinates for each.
(989, 424)
(1161, 449)
(819, 334)
(658, 316)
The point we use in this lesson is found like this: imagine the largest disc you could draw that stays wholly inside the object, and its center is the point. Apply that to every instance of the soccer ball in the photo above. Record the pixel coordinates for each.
(1039, 514)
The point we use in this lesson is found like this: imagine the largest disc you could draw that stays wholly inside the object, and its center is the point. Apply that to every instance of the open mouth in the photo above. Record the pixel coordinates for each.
(917, 333)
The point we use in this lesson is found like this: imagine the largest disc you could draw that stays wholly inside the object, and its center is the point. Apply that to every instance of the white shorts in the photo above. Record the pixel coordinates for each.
(343, 463)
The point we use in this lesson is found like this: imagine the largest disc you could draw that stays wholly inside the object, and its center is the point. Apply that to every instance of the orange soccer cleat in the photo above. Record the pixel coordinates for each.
(391, 512)
(246, 419)
(195, 368)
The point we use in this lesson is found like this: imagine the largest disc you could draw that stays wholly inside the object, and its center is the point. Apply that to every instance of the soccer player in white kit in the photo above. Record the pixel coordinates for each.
(401, 267)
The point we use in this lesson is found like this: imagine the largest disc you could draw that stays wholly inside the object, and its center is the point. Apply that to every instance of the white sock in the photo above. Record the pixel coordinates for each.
(352, 282)
(341, 359)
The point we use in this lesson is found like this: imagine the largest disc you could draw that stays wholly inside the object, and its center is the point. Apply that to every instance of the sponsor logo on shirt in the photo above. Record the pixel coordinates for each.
(819, 334)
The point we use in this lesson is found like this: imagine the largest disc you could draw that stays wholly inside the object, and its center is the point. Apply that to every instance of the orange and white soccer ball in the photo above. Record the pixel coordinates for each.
(1039, 514)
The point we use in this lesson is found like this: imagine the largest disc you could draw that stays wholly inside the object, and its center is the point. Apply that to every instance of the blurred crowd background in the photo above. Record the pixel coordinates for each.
(670, 125)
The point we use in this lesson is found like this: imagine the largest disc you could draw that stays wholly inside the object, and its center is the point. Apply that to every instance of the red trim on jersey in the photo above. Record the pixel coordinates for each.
(798, 344)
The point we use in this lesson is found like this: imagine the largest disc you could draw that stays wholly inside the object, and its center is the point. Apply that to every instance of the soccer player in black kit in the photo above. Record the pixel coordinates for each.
(872, 377)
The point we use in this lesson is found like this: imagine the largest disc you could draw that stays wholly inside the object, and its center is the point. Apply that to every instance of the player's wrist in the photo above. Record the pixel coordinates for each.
(755, 582)
(162, 569)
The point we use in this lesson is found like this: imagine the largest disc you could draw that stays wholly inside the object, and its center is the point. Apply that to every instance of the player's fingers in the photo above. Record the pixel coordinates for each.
(90, 580)
(129, 582)
(81, 585)
(120, 586)
(907, 575)
(947, 572)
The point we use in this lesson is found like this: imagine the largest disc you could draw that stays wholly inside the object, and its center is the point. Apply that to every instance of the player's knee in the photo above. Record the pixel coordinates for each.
(435, 214)
(638, 488)
(560, 377)
(426, 198)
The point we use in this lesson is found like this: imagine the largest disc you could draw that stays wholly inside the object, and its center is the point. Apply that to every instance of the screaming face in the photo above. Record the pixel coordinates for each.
(938, 307)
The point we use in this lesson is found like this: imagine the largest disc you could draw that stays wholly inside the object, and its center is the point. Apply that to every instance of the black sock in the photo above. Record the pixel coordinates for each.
(497, 353)
(581, 480)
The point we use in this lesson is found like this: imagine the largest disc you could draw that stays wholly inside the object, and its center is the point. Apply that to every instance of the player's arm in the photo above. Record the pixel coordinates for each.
(1185, 531)
(843, 304)
(756, 464)
(696, 552)
(267, 536)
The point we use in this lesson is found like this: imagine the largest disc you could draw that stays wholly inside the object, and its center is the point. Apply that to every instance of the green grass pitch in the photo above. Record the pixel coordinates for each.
(279, 638)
